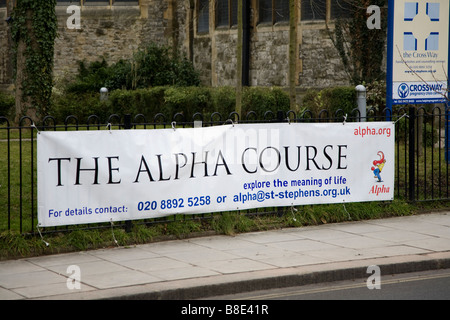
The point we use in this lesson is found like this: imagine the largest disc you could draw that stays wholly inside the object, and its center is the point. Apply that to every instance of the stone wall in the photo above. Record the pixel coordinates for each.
(318, 63)
(224, 59)
(269, 56)
(117, 32)
(322, 66)
(112, 33)
(202, 58)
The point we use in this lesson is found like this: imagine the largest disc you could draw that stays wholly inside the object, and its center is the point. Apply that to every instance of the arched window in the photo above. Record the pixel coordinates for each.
(203, 16)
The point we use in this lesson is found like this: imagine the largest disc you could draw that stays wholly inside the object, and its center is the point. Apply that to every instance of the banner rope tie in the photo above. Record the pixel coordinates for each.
(42, 238)
(292, 211)
(229, 120)
(112, 231)
(174, 125)
(34, 126)
(404, 115)
(348, 214)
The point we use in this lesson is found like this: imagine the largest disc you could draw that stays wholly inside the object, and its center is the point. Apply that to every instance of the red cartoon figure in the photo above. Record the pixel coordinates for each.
(378, 165)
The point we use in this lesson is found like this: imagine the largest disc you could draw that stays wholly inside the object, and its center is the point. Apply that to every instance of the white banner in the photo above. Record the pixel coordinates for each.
(101, 176)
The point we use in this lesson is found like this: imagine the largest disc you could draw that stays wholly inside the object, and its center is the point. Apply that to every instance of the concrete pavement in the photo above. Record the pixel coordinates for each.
(210, 266)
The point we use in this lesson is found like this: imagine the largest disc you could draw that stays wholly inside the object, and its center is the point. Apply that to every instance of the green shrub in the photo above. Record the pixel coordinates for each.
(311, 101)
(260, 100)
(376, 95)
(157, 66)
(7, 103)
(154, 66)
(122, 102)
(141, 101)
(187, 101)
(79, 105)
(169, 101)
(119, 76)
(90, 77)
(332, 100)
(340, 98)
(149, 101)
(224, 102)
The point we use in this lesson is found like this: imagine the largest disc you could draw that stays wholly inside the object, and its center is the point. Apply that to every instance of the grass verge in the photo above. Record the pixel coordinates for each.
(15, 245)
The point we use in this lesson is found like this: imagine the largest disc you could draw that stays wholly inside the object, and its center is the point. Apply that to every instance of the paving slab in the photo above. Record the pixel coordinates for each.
(214, 265)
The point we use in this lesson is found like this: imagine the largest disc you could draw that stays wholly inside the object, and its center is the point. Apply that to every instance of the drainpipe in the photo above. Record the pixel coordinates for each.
(245, 42)
(191, 30)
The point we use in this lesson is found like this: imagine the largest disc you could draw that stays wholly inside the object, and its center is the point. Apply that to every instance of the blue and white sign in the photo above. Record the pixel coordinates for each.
(419, 92)
(418, 52)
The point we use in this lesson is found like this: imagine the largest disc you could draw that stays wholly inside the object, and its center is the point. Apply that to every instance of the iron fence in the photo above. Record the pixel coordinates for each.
(421, 171)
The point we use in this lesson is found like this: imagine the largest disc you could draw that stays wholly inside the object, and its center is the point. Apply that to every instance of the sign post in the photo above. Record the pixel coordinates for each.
(418, 53)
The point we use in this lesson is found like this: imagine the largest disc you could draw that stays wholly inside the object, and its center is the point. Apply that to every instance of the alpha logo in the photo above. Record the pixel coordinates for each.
(428, 14)
(403, 90)
(377, 167)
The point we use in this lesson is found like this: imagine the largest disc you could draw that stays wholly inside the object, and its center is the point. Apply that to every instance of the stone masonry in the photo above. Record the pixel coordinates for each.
(115, 32)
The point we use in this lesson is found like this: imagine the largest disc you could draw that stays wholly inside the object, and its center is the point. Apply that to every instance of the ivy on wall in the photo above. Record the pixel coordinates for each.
(34, 30)
(361, 49)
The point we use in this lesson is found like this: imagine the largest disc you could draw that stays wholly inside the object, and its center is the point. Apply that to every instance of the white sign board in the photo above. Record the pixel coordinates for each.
(418, 51)
(101, 176)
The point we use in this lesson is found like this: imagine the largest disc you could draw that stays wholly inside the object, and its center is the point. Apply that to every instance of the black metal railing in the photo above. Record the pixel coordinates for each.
(421, 174)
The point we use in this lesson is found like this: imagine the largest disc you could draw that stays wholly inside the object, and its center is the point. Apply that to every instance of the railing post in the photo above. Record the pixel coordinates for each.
(281, 116)
(412, 154)
(127, 125)
(447, 132)
(127, 121)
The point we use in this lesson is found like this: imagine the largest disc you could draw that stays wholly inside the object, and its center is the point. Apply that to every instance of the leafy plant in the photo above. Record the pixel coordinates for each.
(331, 99)
(260, 100)
(90, 77)
(168, 100)
(152, 67)
(33, 31)
(7, 103)
(187, 100)
(360, 48)
(376, 95)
